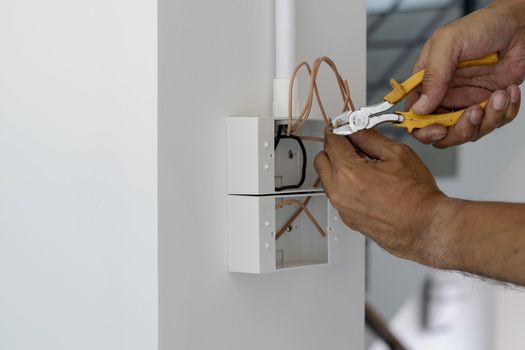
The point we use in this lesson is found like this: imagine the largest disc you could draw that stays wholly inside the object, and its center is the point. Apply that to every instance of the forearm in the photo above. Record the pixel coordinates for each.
(482, 238)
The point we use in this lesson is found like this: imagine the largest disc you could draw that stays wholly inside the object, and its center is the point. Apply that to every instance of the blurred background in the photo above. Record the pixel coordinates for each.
(424, 308)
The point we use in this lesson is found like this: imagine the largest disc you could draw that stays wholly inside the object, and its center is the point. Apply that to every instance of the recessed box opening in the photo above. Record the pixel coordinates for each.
(289, 157)
(301, 243)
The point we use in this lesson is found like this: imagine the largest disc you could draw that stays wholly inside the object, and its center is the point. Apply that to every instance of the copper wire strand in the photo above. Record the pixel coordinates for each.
(305, 210)
(296, 214)
(348, 105)
(312, 138)
(314, 91)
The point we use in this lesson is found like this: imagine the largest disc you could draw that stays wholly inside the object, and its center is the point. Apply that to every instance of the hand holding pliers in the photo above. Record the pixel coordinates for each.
(370, 116)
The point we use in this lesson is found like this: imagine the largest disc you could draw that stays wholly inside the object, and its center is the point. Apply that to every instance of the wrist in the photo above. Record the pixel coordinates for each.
(440, 243)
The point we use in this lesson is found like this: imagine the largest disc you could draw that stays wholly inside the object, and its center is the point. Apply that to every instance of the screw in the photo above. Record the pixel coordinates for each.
(290, 154)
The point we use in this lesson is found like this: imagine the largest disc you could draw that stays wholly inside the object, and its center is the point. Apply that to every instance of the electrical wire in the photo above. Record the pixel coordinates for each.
(294, 126)
(298, 212)
(313, 91)
(306, 211)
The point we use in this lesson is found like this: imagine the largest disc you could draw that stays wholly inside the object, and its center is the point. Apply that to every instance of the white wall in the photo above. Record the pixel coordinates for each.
(78, 174)
(78, 183)
(216, 60)
(509, 319)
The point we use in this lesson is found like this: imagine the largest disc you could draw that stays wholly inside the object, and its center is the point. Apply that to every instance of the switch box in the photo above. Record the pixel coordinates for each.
(255, 245)
(256, 166)
(277, 218)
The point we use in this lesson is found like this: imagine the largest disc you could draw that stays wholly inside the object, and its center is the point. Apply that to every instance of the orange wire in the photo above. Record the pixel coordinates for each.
(314, 91)
(348, 105)
(306, 211)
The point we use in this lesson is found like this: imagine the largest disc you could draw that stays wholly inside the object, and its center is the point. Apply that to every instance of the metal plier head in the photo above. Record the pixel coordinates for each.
(364, 118)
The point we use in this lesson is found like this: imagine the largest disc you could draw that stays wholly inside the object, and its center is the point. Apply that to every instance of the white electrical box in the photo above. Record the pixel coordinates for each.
(278, 215)
(257, 167)
(254, 224)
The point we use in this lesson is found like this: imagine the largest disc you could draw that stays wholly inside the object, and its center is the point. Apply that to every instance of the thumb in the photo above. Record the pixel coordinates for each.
(441, 64)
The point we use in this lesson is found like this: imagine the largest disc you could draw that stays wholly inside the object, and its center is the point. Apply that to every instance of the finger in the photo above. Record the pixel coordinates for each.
(430, 134)
(323, 167)
(465, 96)
(411, 99)
(476, 71)
(494, 112)
(339, 149)
(514, 104)
(466, 130)
(374, 144)
(489, 82)
(443, 57)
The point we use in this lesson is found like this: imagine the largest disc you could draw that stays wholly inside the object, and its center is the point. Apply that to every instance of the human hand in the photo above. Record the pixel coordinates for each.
(390, 197)
(496, 28)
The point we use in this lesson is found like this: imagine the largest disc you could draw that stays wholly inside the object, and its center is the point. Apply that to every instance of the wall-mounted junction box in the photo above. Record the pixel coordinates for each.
(255, 168)
(253, 224)
(262, 236)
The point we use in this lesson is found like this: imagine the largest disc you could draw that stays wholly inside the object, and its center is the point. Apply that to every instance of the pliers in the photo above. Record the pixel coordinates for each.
(370, 116)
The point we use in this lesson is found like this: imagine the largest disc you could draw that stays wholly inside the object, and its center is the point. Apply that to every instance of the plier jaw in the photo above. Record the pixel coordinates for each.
(367, 117)
(341, 124)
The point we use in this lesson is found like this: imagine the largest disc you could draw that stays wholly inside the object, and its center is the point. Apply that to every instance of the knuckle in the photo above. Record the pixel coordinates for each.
(437, 34)
(445, 33)
(424, 139)
(401, 150)
(431, 78)
(495, 120)
(467, 134)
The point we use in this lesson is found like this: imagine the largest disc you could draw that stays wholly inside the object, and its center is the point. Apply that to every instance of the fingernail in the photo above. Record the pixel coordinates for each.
(437, 136)
(500, 101)
(475, 116)
(515, 94)
(420, 104)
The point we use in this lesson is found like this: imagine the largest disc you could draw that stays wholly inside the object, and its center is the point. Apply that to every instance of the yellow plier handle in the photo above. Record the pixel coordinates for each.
(414, 121)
